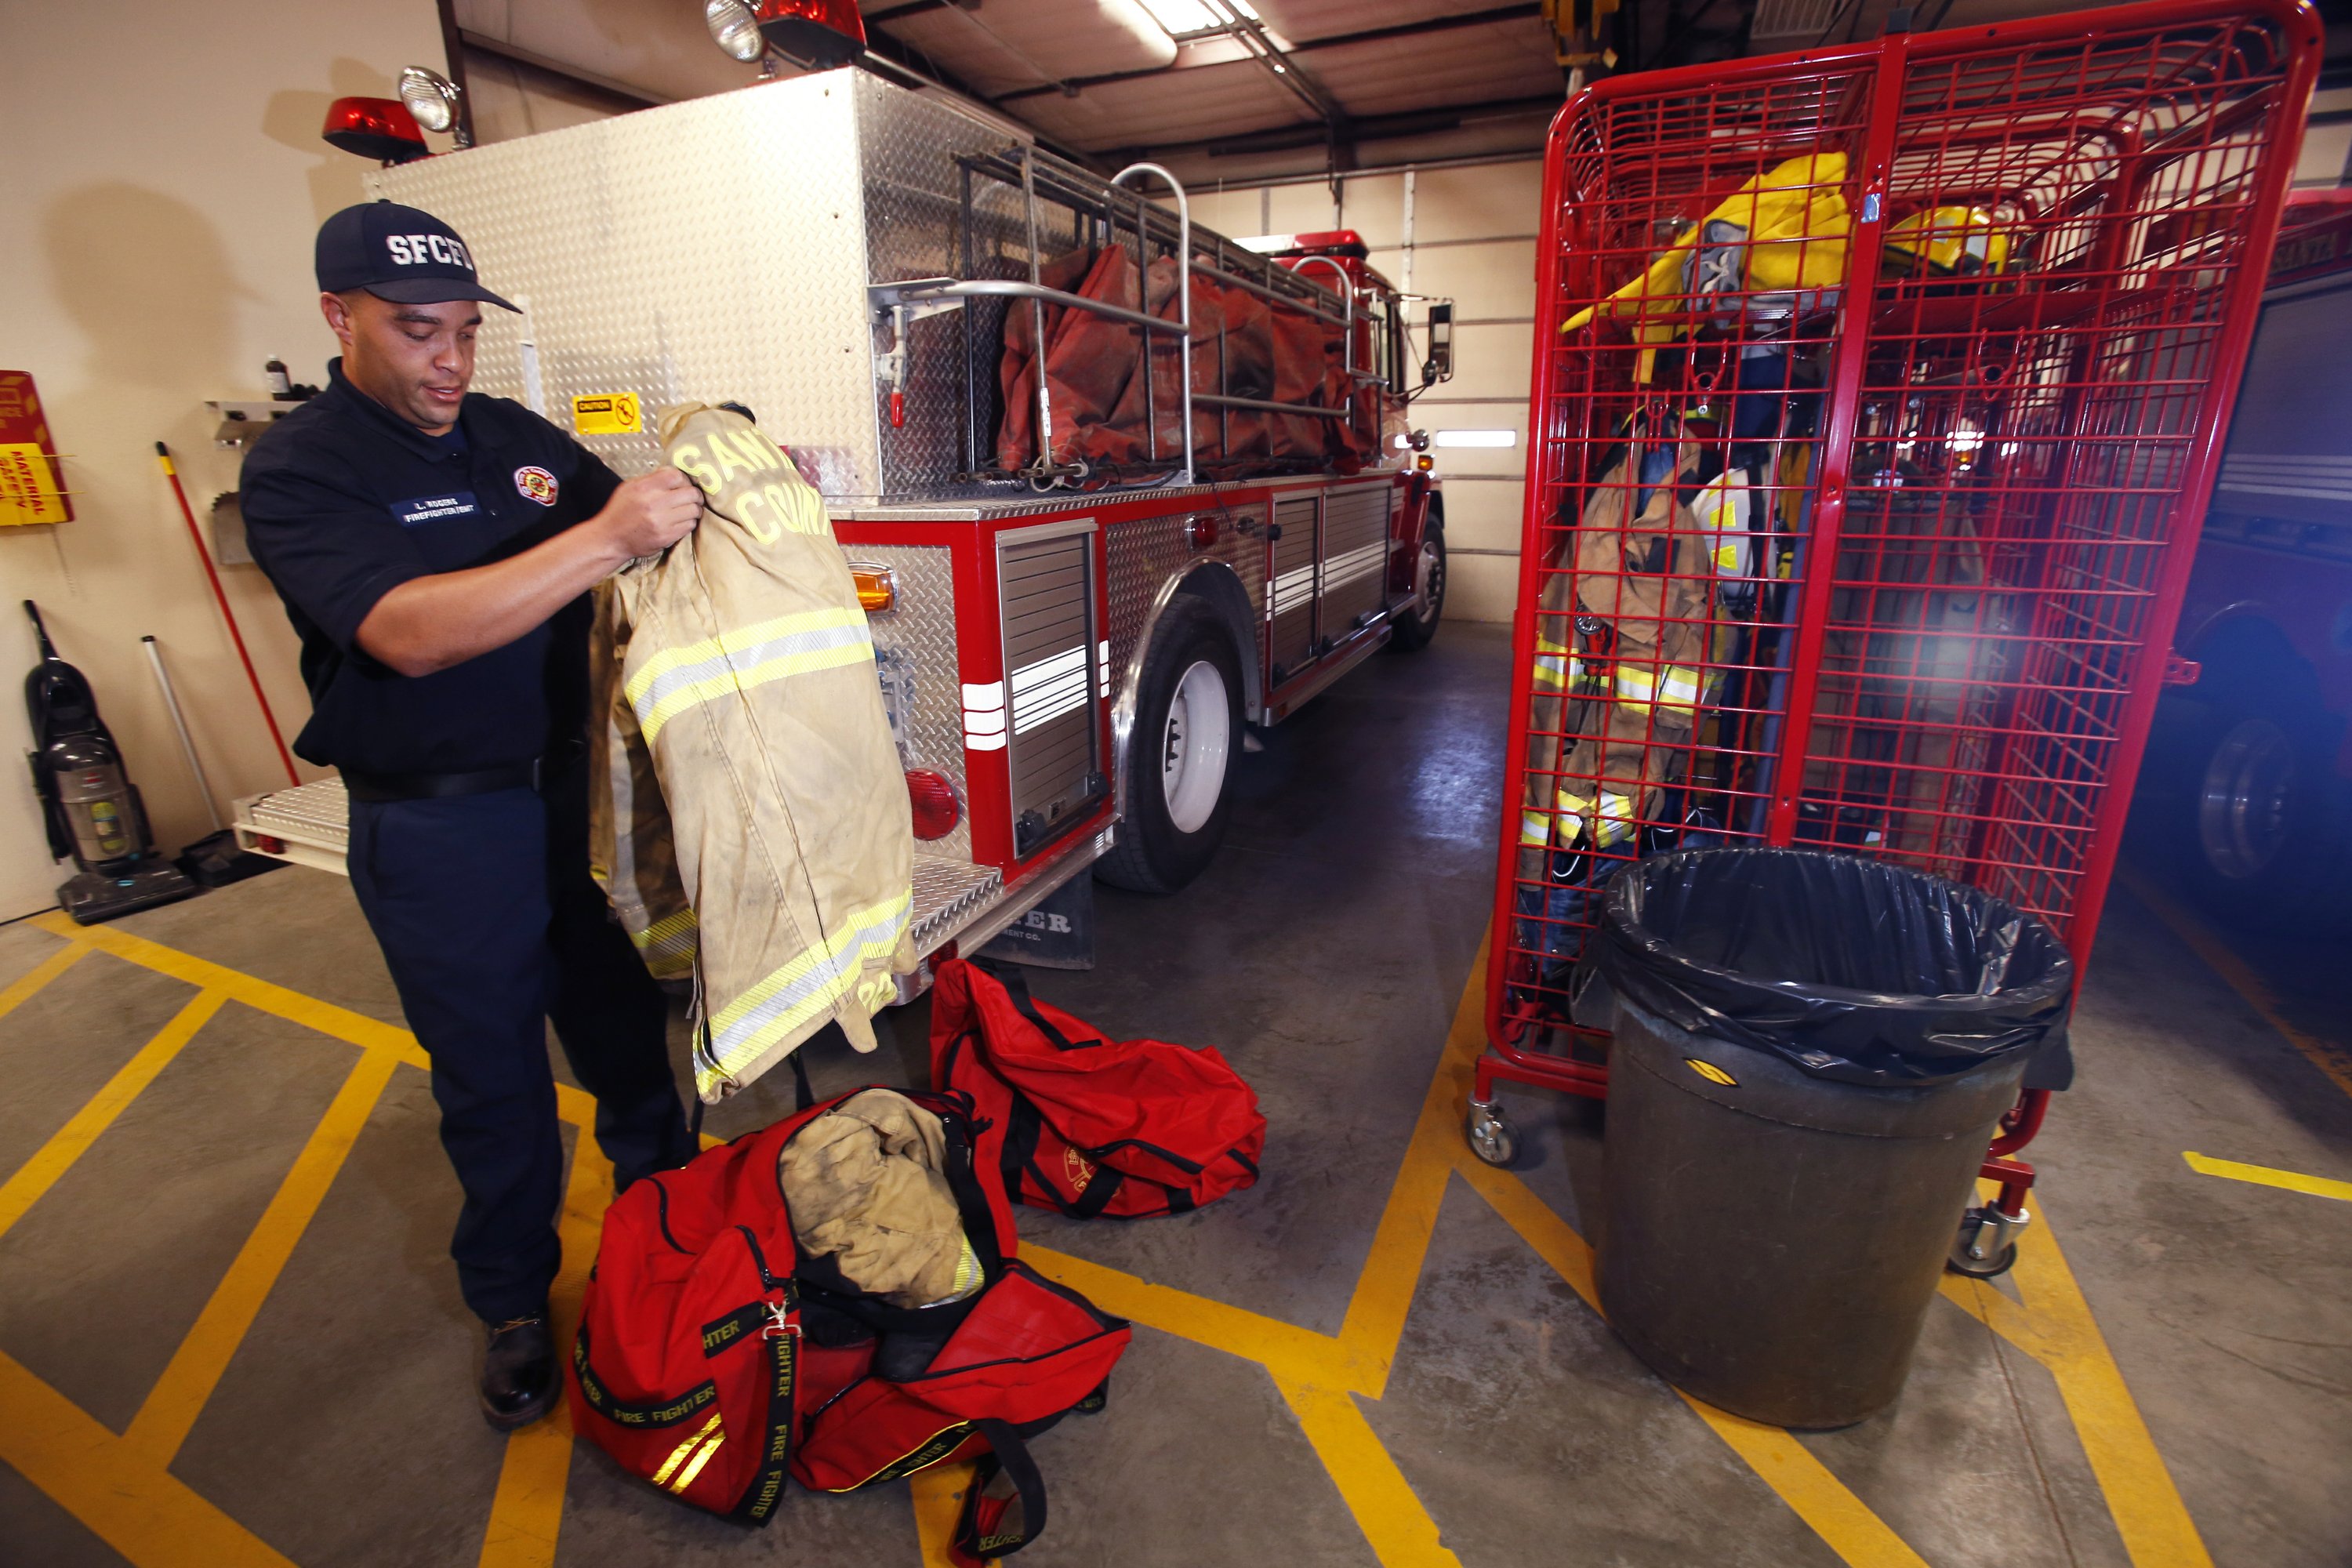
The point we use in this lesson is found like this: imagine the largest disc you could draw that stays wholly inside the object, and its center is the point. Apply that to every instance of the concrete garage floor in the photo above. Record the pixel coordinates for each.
(229, 1332)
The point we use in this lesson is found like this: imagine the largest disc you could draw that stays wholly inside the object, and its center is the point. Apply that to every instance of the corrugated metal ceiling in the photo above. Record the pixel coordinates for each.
(1393, 72)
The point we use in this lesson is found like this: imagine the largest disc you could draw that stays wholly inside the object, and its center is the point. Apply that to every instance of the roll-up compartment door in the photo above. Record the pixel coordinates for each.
(1053, 678)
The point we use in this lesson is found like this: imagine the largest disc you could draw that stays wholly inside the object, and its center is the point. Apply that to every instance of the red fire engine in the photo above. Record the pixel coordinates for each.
(1101, 522)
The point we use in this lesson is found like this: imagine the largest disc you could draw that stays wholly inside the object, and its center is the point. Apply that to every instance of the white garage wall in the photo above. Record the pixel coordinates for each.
(163, 179)
(1471, 238)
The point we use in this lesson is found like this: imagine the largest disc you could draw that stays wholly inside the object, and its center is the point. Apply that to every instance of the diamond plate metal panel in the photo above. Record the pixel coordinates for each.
(1146, 553)
(914, 193)
(916, 638)
(947, 894)
(710, 250)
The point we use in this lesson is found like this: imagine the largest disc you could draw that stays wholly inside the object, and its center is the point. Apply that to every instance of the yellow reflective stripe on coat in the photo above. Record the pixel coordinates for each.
(677, 1454)
(1615, 820)
(1535, 829)
(669, 945)
(1554, 665)
(677, 679)
(789, 995)
(1638, 688)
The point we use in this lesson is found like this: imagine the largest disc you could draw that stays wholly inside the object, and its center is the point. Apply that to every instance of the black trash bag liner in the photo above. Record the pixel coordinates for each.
(1849, 968)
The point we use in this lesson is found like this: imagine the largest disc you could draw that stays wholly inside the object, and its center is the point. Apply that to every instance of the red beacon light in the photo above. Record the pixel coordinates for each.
(818, 34)
(934, 800)
(378, 127)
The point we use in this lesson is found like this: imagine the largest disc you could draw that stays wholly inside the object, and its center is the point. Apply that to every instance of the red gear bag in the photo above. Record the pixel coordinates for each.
(705, 1366)
(1089, 1126)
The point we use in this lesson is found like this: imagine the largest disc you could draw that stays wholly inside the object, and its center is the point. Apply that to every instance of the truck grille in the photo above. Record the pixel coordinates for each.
(1053, 678)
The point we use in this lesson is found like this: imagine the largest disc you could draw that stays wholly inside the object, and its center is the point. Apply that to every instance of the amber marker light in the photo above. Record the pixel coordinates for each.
(877, 590)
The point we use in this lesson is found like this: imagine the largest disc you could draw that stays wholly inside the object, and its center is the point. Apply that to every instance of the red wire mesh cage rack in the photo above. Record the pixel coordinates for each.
(1878, 394)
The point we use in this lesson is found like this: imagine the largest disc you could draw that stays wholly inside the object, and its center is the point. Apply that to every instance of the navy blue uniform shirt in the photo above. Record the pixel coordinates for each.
(343, 501)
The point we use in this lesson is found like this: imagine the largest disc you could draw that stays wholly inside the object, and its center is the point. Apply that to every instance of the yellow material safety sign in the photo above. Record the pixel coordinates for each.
(29, 491)
(607, 414)
(32, 485)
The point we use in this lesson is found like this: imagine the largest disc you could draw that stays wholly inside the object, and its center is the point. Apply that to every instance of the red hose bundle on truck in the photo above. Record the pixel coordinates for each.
(1098, 398)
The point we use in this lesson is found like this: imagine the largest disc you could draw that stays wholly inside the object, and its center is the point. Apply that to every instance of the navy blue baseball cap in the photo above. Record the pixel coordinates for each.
(397, 253)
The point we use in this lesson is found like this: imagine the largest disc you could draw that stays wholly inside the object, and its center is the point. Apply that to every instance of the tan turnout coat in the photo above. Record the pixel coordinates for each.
(750, 822)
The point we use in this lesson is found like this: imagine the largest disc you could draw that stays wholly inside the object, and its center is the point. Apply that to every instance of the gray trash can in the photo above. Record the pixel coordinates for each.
(1811, 1053)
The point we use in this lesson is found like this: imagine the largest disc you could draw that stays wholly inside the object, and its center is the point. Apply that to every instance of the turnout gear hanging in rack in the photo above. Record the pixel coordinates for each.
(750, 806)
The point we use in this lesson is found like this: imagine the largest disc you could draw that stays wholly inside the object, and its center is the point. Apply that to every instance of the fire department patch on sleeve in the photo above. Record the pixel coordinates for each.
(537, 483)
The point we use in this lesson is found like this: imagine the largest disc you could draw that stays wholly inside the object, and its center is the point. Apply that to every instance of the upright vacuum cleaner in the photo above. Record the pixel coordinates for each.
(91, 807)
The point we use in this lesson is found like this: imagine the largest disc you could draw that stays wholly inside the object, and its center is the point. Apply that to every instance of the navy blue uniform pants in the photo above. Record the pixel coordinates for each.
(492, 928)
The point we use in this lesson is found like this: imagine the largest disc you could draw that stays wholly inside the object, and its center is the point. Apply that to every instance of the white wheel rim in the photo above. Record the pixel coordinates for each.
(1193, 746)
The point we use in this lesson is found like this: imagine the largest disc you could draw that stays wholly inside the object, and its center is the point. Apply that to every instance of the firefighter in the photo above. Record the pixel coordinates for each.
(434, 549)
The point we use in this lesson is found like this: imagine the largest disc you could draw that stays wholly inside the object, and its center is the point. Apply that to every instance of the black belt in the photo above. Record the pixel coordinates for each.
(379, 788)
(383, 787)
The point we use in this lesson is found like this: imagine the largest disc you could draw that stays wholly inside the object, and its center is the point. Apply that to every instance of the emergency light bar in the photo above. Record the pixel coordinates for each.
(818, 34)
(378, 127)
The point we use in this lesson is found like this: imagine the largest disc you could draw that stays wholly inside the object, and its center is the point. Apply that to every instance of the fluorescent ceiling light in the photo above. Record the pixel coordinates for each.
(1476, 437)
(1182, 19)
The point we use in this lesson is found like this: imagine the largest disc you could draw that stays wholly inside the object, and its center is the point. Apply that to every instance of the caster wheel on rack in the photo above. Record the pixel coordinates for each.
(1996, 1262)
(1492, 1139)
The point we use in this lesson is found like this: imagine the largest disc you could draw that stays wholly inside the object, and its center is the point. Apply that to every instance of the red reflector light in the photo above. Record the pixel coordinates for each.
(934, 800)
(1201, 531)
(378, 127)
(819, 33)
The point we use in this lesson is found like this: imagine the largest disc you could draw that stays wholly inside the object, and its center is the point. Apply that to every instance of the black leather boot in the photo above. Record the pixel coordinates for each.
(519, 1379)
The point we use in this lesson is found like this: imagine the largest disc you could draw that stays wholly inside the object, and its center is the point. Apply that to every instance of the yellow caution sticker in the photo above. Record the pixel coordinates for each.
(1712, 1073)
(607, 414)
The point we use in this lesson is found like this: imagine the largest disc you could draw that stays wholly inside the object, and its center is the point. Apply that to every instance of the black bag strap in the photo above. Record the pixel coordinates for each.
(767, 1487)
(1009, 1455)
(1017, 988)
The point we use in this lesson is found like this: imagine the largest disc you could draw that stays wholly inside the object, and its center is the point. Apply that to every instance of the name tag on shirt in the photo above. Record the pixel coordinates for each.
(433, 509)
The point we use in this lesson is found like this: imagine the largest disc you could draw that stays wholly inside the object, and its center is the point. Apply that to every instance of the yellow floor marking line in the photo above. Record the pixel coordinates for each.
(172, 1406)
(1399, 1531)
(1282, 1348)
(133, 1505)
(574, 1105)
(1382, 1298)
(21, 989)
(1316, 1372)
(938, 1496)
(2204, 1165)
(527, 1512)
(2054, 1326)
(2239, 976)
(68, 1143)
(1841, 1518)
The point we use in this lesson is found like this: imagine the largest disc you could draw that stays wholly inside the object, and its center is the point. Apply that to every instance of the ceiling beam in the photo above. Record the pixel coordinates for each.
(1297, 46)
(1377, 128)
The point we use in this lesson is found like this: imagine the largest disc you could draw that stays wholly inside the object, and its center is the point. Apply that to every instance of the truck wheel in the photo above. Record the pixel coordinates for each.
(1412, 630)
(1188, 729)
(2264, 839)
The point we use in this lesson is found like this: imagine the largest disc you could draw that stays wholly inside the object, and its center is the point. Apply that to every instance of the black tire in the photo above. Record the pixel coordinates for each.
(2260, 819)
(1412, 631)
(1152, 853)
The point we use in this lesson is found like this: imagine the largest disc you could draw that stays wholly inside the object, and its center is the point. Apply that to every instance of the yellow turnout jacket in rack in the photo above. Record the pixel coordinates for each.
(750, 822)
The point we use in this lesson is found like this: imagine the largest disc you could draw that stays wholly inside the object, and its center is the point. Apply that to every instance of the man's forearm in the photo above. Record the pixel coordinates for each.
(429, 624)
